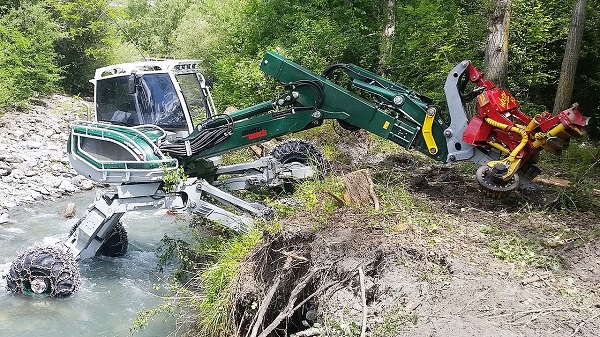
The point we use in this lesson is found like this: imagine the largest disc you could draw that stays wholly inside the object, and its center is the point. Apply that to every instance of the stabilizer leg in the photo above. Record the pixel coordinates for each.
(88, 237)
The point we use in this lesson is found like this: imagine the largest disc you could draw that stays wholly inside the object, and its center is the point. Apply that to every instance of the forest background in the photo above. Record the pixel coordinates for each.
(51, 46)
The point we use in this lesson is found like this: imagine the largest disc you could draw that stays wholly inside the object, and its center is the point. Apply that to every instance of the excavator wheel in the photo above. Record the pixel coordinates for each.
(116, 244)
(44, 271)
(493, 185)
(301, 151)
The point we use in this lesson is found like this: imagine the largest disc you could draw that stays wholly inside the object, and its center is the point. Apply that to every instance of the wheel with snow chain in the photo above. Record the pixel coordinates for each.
(303, 152)
(46, 271)
(115, 245)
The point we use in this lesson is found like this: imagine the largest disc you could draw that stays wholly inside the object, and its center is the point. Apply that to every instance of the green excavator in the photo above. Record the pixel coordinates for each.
(157, 141)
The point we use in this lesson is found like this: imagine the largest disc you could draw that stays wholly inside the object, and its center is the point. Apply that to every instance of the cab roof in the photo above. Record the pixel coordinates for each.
(159, 66)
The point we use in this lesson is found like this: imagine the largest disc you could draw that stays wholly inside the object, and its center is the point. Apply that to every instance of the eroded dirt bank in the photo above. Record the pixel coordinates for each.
(460, 265)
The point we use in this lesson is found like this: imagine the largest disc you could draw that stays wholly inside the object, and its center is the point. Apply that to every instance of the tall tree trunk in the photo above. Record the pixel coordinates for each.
(496, 49)
(388, 33)
(569, 64)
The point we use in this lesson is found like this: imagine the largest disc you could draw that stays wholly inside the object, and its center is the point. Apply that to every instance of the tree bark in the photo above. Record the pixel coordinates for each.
(571, 57)
(496, 49)
(389, 29)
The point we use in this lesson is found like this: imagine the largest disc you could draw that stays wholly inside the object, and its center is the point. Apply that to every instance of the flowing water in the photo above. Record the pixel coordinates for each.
(113, 290)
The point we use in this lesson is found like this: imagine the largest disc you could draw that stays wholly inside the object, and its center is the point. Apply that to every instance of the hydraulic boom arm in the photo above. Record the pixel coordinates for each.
(501, 138)
(393, 112)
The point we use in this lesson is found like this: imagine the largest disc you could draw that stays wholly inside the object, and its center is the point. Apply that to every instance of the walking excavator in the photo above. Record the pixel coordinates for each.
(157, 142)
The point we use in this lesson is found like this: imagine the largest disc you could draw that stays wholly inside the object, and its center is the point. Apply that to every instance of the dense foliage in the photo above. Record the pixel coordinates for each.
(429, 38)
(87, 38)
(53, 44)
(27, 56)
(46, 45)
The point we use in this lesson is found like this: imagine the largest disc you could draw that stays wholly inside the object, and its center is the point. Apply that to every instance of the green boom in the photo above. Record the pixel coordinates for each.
(398, 113)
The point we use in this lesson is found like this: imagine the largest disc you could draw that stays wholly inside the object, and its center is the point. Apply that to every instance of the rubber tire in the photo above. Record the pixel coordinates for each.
(301, 151)
(116, 244)
(52, 264)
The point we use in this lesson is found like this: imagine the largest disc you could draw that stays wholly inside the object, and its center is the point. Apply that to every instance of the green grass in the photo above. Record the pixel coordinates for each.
(201, 293)
(395, 319)
(217, 284)
(528, 251)
(580, 164)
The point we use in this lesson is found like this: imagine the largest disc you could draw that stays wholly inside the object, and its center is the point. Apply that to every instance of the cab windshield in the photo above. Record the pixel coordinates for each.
(154, 102)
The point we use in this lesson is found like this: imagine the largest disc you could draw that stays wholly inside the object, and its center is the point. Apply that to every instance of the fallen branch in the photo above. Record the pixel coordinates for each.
(361, 276)
(473, 300)
(307, 333)
(580, 325)
(264, 304)
(553, 181)
(320, 290)
(533, 311)
(294, 256)
(534, 278)
(288, 310)
(338, 199)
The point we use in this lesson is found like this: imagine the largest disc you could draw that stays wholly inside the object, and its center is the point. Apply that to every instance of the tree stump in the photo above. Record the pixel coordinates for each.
(263, 149)
(360, 191)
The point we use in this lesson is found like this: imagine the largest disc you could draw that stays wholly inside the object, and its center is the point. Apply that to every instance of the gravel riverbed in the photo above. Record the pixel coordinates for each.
(33, 159)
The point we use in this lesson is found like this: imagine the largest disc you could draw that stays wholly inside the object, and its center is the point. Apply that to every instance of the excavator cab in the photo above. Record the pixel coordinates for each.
(171, 95)
(139, 107)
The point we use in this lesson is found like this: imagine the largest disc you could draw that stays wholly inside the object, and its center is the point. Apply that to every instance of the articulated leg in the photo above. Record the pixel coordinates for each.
(108, 208)
(88, 237)
(238, 222)
(266, 171)
(458, 150)
(106, 211)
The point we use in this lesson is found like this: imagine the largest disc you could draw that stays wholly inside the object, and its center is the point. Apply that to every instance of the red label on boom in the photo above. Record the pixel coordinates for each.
(254, 133)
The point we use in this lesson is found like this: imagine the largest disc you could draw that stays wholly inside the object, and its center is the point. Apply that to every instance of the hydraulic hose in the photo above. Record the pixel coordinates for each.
(524, 137)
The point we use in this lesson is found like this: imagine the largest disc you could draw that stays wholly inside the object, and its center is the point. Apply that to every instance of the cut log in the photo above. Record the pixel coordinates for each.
(307, 333)
(552, 181)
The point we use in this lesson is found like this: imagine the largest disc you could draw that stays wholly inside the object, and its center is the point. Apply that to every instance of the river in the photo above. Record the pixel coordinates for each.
(113, 290)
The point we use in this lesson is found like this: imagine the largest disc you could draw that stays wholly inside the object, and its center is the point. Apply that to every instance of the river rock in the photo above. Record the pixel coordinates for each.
(87, 185)
(13, 159)
(31, 173)
(32, 144)
(9, 204)
(27, 198)
(48, 133)
(56, 167)
(68, 211)
(33, 161)
(4, 169)
(18, 174)
(67, 186)
(43, 190)
(52, 183)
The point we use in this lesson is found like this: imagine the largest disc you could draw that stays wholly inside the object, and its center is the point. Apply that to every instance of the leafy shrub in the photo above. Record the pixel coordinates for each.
(27, 55)
(86, 39)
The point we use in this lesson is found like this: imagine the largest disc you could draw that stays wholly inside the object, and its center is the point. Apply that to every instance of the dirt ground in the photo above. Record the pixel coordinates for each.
(452, 263)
